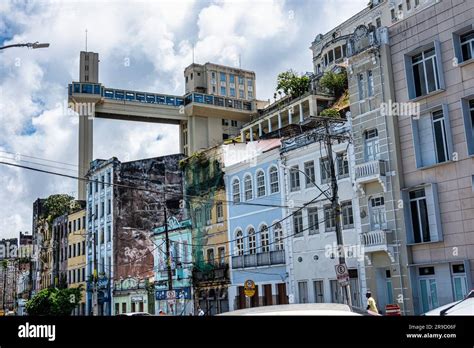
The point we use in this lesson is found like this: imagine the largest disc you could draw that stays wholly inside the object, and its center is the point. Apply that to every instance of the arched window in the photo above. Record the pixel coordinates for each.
(278, 234)
(264, 239)
(260, 183)
(239, 242)
(236, 191)
(252, 241)
(274, 187)
(248, 187)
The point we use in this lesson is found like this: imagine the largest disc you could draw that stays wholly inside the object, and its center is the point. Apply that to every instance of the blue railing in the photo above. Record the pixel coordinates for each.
(151, 98)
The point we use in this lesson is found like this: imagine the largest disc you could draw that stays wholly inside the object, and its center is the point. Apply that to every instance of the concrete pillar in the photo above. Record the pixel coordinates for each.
(251, 134)
(269, 125)
(279, 120)
(313, 110)
(290, 117)
(242, 136)
(301, 112)
(86, 131)
(259, 129)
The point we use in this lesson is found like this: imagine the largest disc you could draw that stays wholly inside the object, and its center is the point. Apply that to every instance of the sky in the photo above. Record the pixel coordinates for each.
(142, 45)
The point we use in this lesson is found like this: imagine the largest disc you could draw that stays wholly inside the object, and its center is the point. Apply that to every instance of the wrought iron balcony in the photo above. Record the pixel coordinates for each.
(261, 259)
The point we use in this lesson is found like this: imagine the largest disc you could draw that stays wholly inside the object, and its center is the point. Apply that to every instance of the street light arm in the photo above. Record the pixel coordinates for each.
(33, 45)
(309, 178)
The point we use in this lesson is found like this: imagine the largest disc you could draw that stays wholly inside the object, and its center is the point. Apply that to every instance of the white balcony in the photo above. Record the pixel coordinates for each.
(378, 240)
(372, 171)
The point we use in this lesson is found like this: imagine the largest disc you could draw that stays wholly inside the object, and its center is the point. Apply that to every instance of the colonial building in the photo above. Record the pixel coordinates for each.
(76, 254)
(256, 229)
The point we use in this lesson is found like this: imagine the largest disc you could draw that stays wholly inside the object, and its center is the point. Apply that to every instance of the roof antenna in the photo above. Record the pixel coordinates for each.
(86, 40)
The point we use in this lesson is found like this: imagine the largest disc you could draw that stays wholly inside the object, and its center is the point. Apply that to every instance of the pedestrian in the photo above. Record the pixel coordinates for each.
(200, 311)
(371, 304)
(161, 312)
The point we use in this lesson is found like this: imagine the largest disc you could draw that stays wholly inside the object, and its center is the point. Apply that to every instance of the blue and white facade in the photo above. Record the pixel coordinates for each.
(99, 217)
(255, 230)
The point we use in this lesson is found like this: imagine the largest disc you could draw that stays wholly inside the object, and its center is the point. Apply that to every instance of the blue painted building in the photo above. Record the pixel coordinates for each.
(179, 233)
(255, 230)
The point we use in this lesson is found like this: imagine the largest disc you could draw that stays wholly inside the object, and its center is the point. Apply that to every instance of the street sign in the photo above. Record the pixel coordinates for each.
(249, 288)
(170, 295)
(342, 274)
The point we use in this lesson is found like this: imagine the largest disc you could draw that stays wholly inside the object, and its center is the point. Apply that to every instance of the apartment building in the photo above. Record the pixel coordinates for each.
(431, 54)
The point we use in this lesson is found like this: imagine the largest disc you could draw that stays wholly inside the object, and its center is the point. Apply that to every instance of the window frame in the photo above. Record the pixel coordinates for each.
(273, 170)
(260, 176)
(311, 175)
(438, 74)
(248, 181)
(236, 197)
(347, 208)
(295, 182)
(313, 228)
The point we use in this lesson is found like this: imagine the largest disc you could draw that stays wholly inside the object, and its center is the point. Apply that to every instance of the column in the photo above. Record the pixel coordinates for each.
(301, 112)
(290, 118)
(312, 107)
(251, 134)
(279, 120)
(259, 129)
(269, 125)
(242, 136)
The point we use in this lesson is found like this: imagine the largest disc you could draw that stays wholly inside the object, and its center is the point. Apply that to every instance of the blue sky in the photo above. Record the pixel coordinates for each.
(156, 38)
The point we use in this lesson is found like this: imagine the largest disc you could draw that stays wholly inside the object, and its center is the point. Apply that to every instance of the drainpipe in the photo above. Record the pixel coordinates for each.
(392, 195)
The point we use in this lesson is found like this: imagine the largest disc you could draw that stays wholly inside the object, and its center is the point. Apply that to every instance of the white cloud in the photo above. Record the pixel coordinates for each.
(157, 38)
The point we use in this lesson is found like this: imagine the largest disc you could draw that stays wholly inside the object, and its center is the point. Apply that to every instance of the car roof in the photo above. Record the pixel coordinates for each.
(297, 309)
(462, 307)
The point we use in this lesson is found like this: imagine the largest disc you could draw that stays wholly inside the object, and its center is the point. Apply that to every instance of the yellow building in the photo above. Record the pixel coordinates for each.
(76, 252)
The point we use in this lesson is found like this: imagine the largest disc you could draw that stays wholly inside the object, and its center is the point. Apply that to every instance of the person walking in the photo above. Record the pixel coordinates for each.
(200, 311)
(371, 304)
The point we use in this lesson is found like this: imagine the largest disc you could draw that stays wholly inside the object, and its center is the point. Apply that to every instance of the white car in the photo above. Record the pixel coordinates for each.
(135, 314)
(298, 309)
(463, 307)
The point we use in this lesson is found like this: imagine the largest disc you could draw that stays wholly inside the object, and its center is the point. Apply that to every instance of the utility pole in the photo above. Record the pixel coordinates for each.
(168, 254)
(336, 207)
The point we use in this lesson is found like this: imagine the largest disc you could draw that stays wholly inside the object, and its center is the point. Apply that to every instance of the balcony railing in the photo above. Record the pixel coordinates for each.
(369, 171)
(209, 99)
(217, 272)
(377, 240)
(261, 259)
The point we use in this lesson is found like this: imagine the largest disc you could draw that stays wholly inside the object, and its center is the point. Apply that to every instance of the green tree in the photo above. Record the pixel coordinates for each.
(57, 205)
(54, 301)
(330, 112)
(334, 82)
(291, 83)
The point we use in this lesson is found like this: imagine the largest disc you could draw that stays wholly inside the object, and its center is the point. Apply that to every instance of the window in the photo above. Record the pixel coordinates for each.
(223, 91)
(249, 82)
(210, 255)
(250, 94)
(236, 191)
(232, 92)
(419, 216)
(264, 239)
(342, 165)
(79, 224)
(408, 2)
(241, 94)
(360, 85)
(278, 236)
(96, 185)
(248, 193)
(468, 114)
(260, 183)
(274, 180)
(336, 292)
(417, 3)
(392, 14)
(298, 223)
(109, 231)
(424, 71)
(330, 56)
(198, 217)
(329, 218)
(223, 77)
(208, 212)
(252, 241)
(231, 78)
(318, 291)
(241, 80)
(239, 242)
(467, 46)
(371, 145)
(325, 170)
(310, 175)
(378, 219)
(378, 22)
(337, 53)
(109, 206)
(233, 123)
(313, 222)
(294, 178)
(221, 255)
(102, 209)
(303, 292)
(347, 215)
(370, 83)
(220, 212)
(432, 138)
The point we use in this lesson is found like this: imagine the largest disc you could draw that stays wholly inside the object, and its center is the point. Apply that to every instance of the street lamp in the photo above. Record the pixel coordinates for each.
(33, 45)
